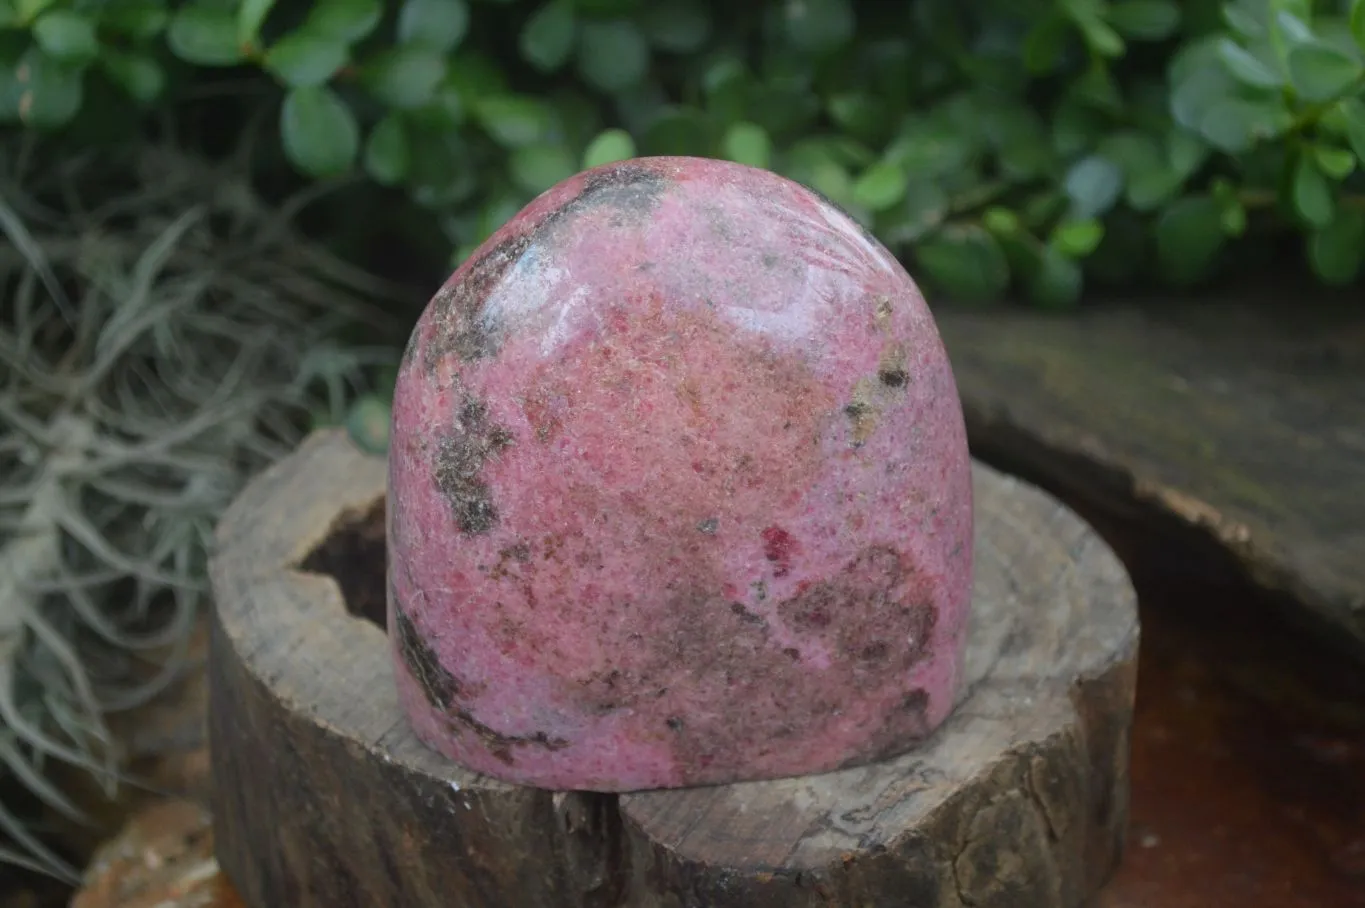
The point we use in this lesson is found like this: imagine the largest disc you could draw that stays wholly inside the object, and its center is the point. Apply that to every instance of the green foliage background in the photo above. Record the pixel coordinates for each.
(1024, 147)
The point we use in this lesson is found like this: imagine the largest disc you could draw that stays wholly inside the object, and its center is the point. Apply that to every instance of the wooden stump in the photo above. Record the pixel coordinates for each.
(323, 797)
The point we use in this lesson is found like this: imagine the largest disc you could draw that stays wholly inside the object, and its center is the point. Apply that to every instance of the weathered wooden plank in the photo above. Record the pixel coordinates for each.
(1242, 421)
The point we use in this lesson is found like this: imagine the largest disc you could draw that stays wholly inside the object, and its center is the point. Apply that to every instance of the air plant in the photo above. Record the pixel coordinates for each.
(163, 336)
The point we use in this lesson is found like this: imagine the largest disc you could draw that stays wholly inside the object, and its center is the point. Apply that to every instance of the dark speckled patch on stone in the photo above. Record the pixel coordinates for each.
(629, 187)
(906, 722)
(437, 684)
(892, 370)
(460, 457)
(460, 321)
(501, 745)
(443, 691)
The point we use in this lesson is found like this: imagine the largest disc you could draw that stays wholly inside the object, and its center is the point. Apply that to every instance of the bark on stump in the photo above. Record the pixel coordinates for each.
(323, 797)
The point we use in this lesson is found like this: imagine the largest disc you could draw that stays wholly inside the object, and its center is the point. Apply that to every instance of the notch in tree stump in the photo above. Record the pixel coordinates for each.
(323, 796)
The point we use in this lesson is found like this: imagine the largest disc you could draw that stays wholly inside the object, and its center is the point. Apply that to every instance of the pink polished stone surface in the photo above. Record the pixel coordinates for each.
(679, 491)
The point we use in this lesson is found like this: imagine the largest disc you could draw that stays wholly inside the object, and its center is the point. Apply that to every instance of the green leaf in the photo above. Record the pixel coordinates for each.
(1093, 184)
(608, 146)
(66, 35)
(347, 20)
(1223, 189)
(535, 168)
(1246, 67)
(1056, 281)
(139, 75)
(1321, 72)
(1232, 215)
(818, 26)
(1021, 142)
(1337, 163)
(305, 58)
(547, 38)
(605, 9)
(1189, 236)
(966, 261)
(1353, 117)
(923, 207)
(445, 111)
(1124, 255)
(12, 94)
(1234, 125)
(29, 10)
(205, 35)
(1149, 178)
(861, 115)
(725, 84)
(1045, 44)
(1357, 21)
(1076, 128)
(831, 179)
(438, 24)
(1290, 28)
(319, 131)
(930, 148)
(1001, 221)
(782, 109)
(1199, 80)
(51, 92)
(879, 187)
(513, 120)
(1077, 238)
(439, 173)
(475, 75)
(405, 77)
(137, 19)
(679, 131)
(250, 16)
(1146, 20)
(1102, 39)
(1312, 194)
(747, 143)
(369, 424)
(1249, 18)
(612, 56)
(1337, 251)
(677, 26)
(1151, 189)
(1099, 89)
(1185, 152)
(388, 155)
(1233, 218)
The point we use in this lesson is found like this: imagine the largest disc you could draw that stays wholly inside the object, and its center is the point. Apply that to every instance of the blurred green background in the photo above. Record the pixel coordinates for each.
(1029, 148)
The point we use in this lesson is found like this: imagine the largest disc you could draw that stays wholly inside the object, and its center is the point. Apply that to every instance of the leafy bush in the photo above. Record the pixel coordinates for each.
(1007, 146)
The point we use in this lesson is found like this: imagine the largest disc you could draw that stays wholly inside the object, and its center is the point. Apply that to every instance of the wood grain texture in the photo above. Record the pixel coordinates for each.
(324, 798)
(1242, 421)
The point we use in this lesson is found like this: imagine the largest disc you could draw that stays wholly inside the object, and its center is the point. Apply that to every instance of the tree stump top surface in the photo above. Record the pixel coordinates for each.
(1019, 799)
(1245, 420)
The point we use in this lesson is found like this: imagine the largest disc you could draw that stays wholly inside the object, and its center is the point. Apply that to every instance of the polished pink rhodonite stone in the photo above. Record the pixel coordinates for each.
(679, 491)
